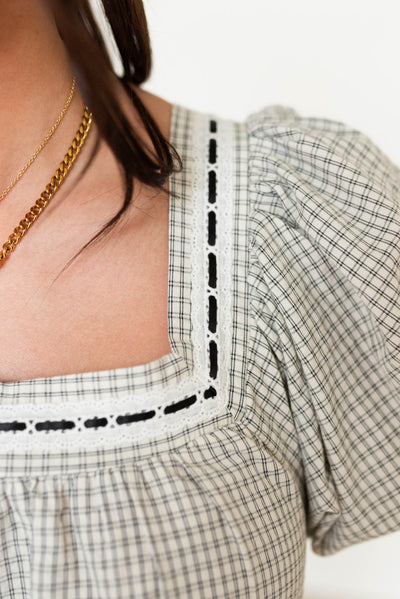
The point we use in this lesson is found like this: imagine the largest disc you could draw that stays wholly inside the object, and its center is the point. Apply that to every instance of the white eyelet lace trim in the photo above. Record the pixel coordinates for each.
(203, 395)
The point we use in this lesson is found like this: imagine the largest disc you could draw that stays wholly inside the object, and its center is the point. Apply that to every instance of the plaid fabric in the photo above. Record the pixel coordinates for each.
(306, 439)
(324, 270)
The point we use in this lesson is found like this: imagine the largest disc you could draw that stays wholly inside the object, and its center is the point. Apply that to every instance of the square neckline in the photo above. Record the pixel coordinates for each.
(141, 377)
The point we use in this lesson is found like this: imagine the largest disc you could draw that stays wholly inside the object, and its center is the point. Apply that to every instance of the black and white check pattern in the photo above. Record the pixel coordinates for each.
(325, 224)
(308, 440)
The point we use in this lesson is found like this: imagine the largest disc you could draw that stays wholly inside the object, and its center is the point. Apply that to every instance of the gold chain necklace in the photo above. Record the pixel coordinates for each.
(51, 188)
(41, 146)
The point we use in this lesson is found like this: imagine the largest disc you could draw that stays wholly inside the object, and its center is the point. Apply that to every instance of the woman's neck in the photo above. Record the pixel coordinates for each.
(35, 80)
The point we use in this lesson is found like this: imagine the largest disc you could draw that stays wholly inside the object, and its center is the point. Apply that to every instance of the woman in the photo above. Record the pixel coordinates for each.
(188, 397)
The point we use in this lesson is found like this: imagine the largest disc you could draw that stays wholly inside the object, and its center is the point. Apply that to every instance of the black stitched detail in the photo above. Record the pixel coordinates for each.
(101, 422)
(56, 425)
(96, 422)
(212, 152)
(213, 359)
(212, 270)
(212, 186)
(135, 417)
(212, 313)
(180, 405)
(211, 228)
(12, 426)
(210, 392)
(212, 259)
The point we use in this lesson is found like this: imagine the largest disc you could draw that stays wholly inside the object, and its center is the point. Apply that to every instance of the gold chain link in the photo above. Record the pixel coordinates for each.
(41, 146)
(51, 188)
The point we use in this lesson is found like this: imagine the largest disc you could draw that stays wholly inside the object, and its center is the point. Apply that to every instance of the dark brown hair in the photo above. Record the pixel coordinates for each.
(93, 68)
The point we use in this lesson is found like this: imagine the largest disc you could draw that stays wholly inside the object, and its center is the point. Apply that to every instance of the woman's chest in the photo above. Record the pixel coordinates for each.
(203, 315)
(109, 310)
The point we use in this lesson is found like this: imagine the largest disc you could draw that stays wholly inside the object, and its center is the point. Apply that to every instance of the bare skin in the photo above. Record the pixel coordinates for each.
(109, 310)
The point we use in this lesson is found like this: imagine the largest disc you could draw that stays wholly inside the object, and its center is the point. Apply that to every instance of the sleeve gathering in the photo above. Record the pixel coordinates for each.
(324, 267)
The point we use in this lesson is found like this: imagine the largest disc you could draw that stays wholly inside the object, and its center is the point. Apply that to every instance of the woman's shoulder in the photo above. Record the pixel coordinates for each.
(325, 303)
(159, 108)
(283, 129)
(325, 192)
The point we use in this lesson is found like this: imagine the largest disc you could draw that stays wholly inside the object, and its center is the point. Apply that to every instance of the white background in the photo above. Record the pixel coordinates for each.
(338, 60)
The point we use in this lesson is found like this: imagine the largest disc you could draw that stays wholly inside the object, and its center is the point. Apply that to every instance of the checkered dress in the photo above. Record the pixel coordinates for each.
(276, 415)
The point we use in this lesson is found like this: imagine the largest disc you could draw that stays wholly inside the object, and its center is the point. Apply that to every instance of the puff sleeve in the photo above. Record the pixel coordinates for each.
(325, 252)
